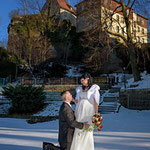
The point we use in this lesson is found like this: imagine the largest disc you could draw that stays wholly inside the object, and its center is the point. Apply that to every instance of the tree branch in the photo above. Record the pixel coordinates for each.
(131, 7)
(129, 1)
(118, 35)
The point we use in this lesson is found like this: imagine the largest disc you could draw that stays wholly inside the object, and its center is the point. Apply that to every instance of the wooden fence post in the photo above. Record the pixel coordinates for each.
(128, 102)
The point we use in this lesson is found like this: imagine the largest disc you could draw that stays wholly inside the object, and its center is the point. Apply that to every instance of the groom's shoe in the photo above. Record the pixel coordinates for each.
(50, 146)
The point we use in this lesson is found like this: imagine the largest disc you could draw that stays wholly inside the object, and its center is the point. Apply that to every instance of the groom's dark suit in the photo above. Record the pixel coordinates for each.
(67, 124)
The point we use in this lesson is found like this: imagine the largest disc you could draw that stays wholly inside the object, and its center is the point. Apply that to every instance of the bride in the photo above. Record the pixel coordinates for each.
(87, 101)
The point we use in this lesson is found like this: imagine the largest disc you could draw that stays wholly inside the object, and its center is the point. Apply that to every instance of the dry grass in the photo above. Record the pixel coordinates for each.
(60, 87)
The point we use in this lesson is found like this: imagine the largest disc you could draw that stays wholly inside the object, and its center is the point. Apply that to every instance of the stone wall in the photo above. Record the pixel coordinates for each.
(135, 99)
(55, 95)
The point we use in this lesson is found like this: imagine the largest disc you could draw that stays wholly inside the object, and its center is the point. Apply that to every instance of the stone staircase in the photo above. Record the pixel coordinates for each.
(55, 96)
(110, 101)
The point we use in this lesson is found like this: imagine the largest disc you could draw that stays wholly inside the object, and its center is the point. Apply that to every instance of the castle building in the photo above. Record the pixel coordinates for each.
(61, 9)
(111, 18)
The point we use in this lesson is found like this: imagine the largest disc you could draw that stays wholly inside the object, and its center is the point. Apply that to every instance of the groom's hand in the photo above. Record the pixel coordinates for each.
(86, 125)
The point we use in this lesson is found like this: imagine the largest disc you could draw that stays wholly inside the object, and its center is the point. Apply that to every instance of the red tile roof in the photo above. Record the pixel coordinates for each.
(63, 4)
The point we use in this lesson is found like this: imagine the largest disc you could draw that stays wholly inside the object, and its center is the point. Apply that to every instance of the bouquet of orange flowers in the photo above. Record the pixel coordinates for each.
(97, 121)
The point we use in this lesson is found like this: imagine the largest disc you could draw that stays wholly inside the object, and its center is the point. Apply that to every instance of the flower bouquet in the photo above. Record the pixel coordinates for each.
(96, 123)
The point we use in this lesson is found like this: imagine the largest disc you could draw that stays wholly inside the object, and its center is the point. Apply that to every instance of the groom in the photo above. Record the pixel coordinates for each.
(67, 122)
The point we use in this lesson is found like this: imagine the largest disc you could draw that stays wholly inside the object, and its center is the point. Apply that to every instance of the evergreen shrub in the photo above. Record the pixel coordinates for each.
(24, 98)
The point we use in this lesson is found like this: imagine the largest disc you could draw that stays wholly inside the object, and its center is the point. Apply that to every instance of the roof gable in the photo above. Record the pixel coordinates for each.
(63, 4)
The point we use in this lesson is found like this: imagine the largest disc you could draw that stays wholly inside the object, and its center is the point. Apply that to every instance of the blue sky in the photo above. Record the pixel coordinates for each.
(5, 7)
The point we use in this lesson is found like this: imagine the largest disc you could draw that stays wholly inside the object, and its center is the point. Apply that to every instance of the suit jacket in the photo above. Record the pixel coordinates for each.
(67, 124)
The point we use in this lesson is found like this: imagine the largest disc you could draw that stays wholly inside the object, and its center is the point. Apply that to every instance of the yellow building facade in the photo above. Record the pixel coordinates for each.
(111, 19)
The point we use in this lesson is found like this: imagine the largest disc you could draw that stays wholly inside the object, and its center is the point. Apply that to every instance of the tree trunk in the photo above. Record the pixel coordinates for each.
(132, 56)
(131, 49)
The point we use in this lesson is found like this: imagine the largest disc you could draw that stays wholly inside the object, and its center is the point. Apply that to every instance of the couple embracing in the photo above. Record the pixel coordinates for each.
(71, 124)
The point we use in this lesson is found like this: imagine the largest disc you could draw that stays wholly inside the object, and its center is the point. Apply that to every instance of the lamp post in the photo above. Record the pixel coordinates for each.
(124, 77)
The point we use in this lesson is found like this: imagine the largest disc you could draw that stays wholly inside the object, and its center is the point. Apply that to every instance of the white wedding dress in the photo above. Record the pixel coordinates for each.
(83, 140)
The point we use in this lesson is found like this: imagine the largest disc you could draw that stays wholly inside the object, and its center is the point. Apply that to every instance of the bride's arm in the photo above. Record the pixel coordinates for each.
(74, 100)
(96, 106)
(96, 100)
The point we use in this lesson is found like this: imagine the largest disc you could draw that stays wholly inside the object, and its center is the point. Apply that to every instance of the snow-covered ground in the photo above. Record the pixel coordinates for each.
(126, 130)
(142, 84)
(51, 109)
(74, 71)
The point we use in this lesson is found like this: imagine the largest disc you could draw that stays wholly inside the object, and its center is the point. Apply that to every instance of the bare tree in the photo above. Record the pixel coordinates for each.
(31, 43)
(126, 10)
(99, 49)
(3, 42)
(30, 6)
(14, 13)
(125, 7)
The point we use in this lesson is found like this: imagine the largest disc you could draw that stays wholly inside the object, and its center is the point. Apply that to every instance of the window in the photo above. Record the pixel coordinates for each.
(123, 31)
(138, 39)
(105, 12)
(142, 31)
(117, 17)
(122, 20)
(134, 34)
(138, 29)
(142, 21)
(117, 29)
(110, 15)
(134, 24)
(110, 26)
(143, 40)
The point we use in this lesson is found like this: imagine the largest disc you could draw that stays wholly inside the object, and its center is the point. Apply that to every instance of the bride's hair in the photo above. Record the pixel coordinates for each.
(90, 81)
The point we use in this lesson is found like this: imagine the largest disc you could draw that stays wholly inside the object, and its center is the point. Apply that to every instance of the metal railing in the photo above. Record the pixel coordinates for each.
(60, 81)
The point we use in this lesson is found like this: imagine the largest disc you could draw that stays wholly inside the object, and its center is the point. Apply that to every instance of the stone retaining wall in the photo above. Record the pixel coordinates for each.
(135, 99)
(55, 95)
